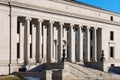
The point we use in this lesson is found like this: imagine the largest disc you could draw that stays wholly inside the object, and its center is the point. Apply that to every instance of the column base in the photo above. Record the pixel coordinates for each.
(43, 60)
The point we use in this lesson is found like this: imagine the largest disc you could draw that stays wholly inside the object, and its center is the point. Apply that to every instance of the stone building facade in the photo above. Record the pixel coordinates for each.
(41, 31)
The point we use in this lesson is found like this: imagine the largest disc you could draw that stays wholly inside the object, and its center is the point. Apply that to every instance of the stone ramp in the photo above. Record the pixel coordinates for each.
(82, 72)
(90, 73)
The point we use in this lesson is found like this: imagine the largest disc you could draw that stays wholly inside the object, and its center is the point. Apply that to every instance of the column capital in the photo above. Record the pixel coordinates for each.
(72, 24)
(40, 20)
(62, 23)
(51, 21)
(95, 28)
(28, 18)
(88, 27)
(33, 25)
(80, 26)
(21, 23)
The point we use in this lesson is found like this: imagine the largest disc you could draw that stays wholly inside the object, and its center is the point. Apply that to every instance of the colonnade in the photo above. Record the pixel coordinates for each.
(45, 41)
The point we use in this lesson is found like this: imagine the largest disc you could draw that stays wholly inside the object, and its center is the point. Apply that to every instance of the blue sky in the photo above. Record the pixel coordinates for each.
(111, 5)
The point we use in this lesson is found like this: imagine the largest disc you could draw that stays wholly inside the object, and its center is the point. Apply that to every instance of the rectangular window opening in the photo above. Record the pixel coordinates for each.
(111, 18)
(111, 35)
(42, 51)
(112, 65)
(18, 50)
(30, 28)
(91, 52)
(112, 52)
(42, 29)
(91, 35)
(30, 50)
(18, 27)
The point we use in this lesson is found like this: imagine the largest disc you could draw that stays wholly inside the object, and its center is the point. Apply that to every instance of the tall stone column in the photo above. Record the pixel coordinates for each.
(80, 44)
(13, 37)
(39, 58)
(72, 43)
(33, 42)
(21, 42)
(44, 39)
(50, 52)
(94, 44)
(27, 45)
(55, 51)
(88, 43)
(60, 41)
(66, 43)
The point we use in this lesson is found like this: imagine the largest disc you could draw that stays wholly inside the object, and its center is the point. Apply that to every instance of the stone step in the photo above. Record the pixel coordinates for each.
(85, 70)
(99, 73)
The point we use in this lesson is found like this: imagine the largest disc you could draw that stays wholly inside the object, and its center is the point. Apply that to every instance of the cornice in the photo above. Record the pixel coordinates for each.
(86, 6)
(62, 13)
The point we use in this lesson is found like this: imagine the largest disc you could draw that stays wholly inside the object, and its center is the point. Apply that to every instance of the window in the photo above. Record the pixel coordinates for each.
(76, 29)
(111, 51)
(42, 51)
(91, 52)
(30, 28)
(68, 51)
(84, 34)
(18, 50)
(91, 35)
(111, 18)
(18, 27)
(111, 35)
(30, 50)
(67, 29)
(42, 30)
(112, 65)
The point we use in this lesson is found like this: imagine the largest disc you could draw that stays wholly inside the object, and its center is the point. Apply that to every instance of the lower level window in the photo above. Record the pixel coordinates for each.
(18, 50)
(111, 51)
(91, 52)
(30, 50)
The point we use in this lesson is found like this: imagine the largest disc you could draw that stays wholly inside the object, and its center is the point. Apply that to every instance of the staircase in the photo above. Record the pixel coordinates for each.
(69, 71)
(95, 74)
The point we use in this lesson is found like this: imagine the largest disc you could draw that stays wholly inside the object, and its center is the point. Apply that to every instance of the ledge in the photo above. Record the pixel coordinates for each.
(58, 12)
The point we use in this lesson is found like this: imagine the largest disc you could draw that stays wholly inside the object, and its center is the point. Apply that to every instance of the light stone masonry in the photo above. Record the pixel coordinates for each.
(52, 31)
